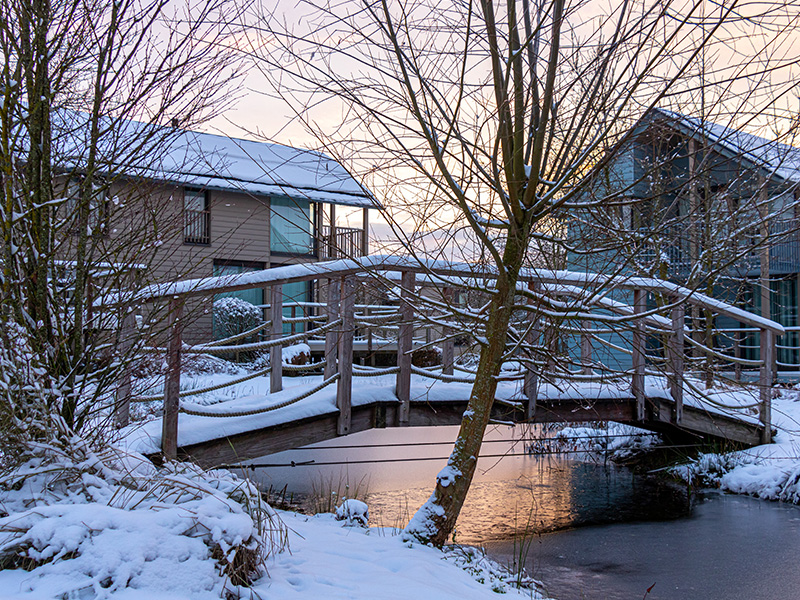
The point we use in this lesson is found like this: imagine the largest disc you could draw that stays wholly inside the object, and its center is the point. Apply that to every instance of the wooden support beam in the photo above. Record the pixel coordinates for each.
(405, 340)
(531, 381)
(172, 383)
(675, 372)
(448, 346)
(332, 250)
(276, 352)
(122, 403)
(365, 232)
(586, 349)
(638, 356)
(766, 381)
(344, 388)
(332, 336)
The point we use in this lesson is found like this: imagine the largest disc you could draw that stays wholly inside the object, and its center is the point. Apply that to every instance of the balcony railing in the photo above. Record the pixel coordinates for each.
(196, 227)
(346, 243)
(672, 244)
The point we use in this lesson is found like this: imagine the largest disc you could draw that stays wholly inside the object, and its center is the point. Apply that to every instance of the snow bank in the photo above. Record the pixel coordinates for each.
(616, 440)
(770, 471)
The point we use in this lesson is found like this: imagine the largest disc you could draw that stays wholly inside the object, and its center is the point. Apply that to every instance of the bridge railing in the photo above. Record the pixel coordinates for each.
(549, 305)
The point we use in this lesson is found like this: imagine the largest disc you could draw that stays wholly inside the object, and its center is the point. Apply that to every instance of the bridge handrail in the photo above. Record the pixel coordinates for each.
(341, 313)
(343, 267)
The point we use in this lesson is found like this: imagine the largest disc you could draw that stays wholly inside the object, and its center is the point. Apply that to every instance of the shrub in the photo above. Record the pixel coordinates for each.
(233, 316)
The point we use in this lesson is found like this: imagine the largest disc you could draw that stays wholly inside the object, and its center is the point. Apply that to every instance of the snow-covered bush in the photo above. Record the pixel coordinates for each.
(233, 316)
(90, 522)
(26, 398)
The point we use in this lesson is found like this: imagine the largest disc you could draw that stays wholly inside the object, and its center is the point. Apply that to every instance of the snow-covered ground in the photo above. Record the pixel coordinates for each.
(78, 523)
(770, 471)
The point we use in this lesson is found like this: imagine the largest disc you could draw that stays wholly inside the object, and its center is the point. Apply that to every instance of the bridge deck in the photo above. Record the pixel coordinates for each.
(217, 440)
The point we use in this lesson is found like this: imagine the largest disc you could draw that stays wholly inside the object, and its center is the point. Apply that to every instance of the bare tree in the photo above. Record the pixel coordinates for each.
(497, 117)
(92, 95)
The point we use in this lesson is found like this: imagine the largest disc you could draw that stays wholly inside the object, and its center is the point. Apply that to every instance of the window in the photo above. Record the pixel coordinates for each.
(290, 226)
(99, 212)
(196, 217)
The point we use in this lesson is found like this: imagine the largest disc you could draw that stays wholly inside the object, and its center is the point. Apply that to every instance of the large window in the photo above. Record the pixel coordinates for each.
(291, 226)
(783, 309)
(196, 217)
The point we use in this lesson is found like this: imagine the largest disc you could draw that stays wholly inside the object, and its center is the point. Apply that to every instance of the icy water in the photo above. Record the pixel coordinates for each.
(730, 548)
(602, 533)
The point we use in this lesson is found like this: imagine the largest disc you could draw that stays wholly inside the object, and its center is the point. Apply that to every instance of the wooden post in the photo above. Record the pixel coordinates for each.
(638, 356)
(345, 384)
(365, 232)
(172, 383)
(766, 381)
(276, 352)
(332, 336)
(448, 347)
(675, 360)
(332, 252)
(531, 381)
(122, 405)
(405, 341)
(586, 349)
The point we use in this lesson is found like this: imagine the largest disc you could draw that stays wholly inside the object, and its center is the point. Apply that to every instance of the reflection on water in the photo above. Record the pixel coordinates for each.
(513, 493)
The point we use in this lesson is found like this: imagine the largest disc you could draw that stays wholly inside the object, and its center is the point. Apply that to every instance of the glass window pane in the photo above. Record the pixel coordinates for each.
(291, 226)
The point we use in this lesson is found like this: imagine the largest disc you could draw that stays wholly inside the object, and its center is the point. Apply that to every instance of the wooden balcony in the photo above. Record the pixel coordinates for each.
(346, 242)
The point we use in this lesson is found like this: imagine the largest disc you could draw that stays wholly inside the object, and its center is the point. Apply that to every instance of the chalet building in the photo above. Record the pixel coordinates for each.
(707, 206)
(205, 205)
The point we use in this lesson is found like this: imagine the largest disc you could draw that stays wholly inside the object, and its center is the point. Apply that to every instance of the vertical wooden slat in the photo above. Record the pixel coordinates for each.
(172, 383)
(345, 383)
(122, 404)
(276, 352)
(332, 336)
(370, 341)
(404, 347)
(638, 356)
(737, 352)
(448, 348)
(531, 381)
(586, 349)
(766, 381)
(675, 360)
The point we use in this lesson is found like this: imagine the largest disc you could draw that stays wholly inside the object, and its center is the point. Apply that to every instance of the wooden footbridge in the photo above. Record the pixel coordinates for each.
(570, 328)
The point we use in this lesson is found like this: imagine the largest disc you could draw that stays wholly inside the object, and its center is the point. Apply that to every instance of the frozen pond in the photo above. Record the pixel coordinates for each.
(731, 548)
(602, 533)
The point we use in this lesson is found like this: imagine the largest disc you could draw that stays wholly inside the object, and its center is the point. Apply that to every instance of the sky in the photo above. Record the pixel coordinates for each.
(258, 113)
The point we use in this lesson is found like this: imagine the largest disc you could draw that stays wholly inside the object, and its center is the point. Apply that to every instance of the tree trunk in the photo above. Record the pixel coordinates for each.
(435, 520)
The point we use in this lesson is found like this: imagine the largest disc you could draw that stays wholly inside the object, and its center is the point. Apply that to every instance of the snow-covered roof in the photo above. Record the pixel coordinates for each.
(213, 161)
(777, 159)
